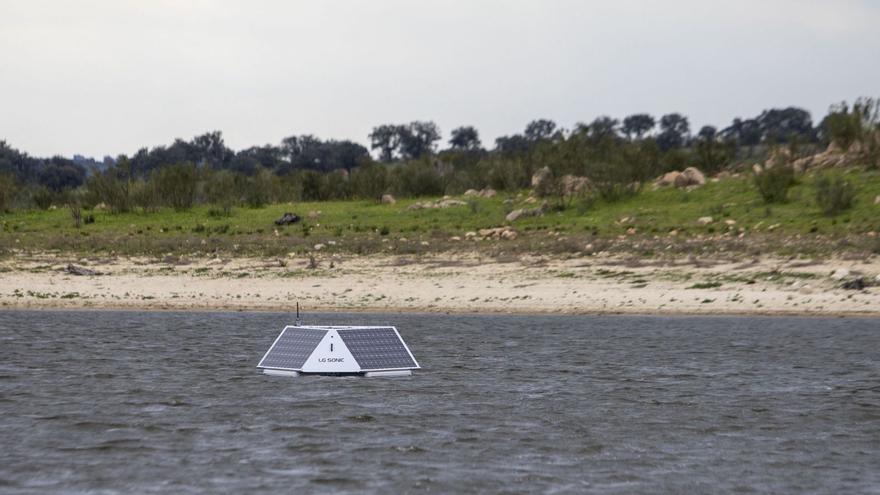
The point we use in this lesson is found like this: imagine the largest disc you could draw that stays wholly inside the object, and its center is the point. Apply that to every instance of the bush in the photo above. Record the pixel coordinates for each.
(176, 185)
(7, 192)
(221, 191)
(773, 183)
(111, 187)
(146, 195)
(42, 198)
(370, 181)
(834, 195)
(415, 179)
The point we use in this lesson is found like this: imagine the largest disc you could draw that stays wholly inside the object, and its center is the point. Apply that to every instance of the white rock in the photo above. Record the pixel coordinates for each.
(319, 247)
(705, 220)
(840, 274)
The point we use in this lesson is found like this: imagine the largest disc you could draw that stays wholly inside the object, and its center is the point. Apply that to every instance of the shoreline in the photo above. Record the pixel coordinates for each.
(446, 284)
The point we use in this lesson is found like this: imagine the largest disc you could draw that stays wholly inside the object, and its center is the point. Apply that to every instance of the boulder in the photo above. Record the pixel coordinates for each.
(877, 200)
(705, 220)
(488, 193)
(471, 192)
(388, 199)
(540, 176)
(840, 274)
(287, 219)
(526, 212)
(573, 185)
(439, 204)
(690, 176)
(668, 179)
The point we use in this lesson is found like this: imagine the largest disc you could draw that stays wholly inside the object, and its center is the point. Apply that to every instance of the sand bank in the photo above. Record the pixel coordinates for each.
(445, 283)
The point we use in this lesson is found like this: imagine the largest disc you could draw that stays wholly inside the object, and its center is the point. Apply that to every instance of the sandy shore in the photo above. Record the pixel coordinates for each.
(451, 283)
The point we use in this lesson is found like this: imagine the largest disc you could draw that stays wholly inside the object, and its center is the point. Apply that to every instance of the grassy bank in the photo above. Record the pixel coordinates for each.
(654, 222)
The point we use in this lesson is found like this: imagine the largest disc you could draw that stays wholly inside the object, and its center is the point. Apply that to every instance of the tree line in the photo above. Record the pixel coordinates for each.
(616, 154)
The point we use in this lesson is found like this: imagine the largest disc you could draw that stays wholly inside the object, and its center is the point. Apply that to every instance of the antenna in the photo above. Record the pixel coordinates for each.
(296, 322)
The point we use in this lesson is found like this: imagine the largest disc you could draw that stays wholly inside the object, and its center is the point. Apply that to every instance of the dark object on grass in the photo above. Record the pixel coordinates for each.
(855, 284)
(80, 271)
(287, 219)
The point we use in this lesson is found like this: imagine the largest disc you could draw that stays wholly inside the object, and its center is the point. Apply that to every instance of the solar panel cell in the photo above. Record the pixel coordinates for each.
(377, 348)
(292, 349)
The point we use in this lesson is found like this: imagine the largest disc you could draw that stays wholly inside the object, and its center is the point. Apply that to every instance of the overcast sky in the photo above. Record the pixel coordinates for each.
(103, 77)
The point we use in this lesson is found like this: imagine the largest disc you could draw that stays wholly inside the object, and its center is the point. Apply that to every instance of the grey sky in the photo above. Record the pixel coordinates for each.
(108, 76)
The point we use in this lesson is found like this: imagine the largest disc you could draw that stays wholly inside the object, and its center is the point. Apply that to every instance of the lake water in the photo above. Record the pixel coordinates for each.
(128, 402)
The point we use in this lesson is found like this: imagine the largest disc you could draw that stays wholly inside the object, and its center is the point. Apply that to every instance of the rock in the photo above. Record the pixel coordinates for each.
(100, 207)
(488, 193)
(470, 235)
(314, 214)
(757, 169)
(530, 200)
(471, 192)
(509, 235)
(81, 271)
(287, 219)
(539, 177)
(668, 179)
(515, 215)
(455, 238)
(588, 249)
(388, 199)
(730, 222)
(691, 176)
(446, 203)
(855, 284)
(631, 231)
(877, 200)
(526, 212)
(318, 247)
(840, 274)
(439, 204)
(705, 220)
(573, 185)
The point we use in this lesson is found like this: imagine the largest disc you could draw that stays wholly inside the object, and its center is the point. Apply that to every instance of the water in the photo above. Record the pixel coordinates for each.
(122, 402)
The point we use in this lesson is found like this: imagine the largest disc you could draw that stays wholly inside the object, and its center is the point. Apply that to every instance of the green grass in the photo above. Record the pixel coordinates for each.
(795, 227)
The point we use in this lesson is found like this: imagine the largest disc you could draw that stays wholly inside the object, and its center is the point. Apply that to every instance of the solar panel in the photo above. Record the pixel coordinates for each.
(292, 348)
(377, 348)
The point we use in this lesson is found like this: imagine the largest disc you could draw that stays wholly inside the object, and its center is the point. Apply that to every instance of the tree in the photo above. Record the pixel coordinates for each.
(347, 154)
(781, 125)
(709, 152)
(637, 125)
(602, 128)
(540, 130)
(417, 139)
(210, 150)
(674, 130)
(515, 144)
(60, 173)
(465, 138)
(385, 138)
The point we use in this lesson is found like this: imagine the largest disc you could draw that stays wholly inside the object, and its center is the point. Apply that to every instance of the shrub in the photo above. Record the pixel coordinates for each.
(176, 185)
(7, 192)
(834, 195)
(417, 179)
(221, 191)
(773, 183)
(42, 198)
(111, 187)
(370, 181)
(146, 195)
